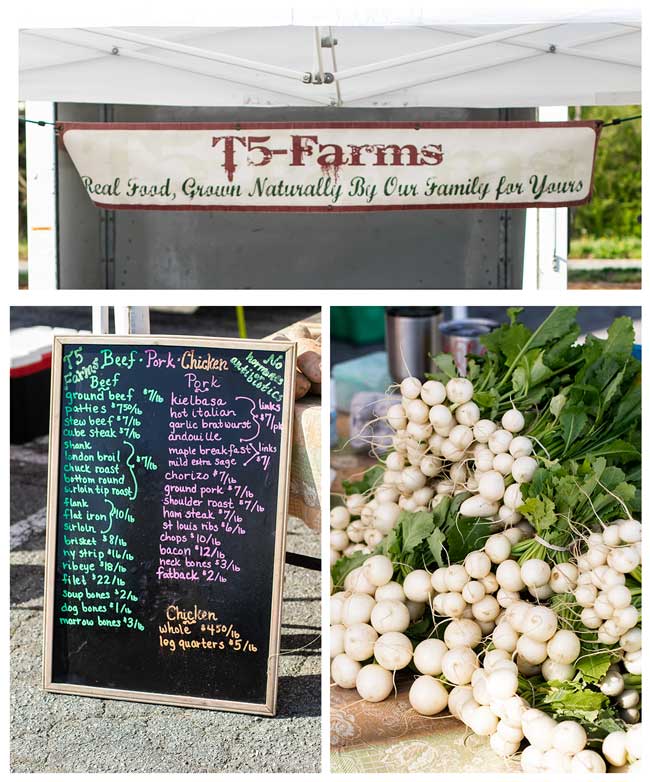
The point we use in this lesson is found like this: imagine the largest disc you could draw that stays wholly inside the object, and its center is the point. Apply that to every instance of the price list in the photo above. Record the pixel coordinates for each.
(169, 462)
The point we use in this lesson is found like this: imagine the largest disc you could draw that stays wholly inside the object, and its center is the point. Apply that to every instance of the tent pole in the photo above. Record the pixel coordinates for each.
(58, 35)
(195, 51)
(439, 51)
(533, 49)
(100, 320)
(337, 86)
(132, 320)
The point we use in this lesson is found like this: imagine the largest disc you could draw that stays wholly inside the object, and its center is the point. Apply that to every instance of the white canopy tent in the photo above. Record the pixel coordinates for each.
(548, 56)
(550, 63)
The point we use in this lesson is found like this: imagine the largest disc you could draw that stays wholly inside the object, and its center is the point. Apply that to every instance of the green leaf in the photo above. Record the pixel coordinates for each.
(367, 481)
(465, 535)
(488, 401)
(441, 511)
(520, 381)
(588, 702)
(540, 512)
(344, 565)
(507, 339)
(621, 449)
(619, 342)
(513, 313)
(594, 666)
(564, 351)
(415, 528)
(573, 422)
(538, 370)
(391, 545)
(561, 320)
(436, 543)
(446, 364)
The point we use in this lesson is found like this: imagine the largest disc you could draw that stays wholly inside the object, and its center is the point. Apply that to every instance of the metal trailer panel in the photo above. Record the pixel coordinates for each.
(374, 250)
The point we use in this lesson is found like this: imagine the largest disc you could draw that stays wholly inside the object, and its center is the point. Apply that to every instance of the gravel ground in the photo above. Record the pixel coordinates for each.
(60, 733)
(51, 733)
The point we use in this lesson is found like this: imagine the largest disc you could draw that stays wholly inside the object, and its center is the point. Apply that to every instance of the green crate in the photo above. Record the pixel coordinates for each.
(359, 325)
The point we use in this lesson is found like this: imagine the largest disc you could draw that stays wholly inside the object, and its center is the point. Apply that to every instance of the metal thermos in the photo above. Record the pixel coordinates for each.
(412, 339)
(462, 338)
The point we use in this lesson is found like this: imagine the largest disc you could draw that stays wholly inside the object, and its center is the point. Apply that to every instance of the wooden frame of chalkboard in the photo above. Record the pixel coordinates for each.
(267, 704)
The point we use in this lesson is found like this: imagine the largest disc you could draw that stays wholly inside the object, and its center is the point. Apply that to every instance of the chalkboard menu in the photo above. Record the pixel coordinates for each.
(167, 501)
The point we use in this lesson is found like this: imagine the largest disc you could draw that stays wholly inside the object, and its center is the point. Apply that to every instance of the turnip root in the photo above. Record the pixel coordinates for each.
(374, 683)
(344, 671)
(428, 696)
(564, 647)
(390, 591)
(538, 729)
(459, 390)
(357, 609)
(378, 570)
(393, 651)
(478, 507)
(614, 748)
(390, 616)
(462, 632)
(337, 634)
(428, 655)
(459, 664)
(433, 393)
(359, 641)
(417, 586)
(587, 762)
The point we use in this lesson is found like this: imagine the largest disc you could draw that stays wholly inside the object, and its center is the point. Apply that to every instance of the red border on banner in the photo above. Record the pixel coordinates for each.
(595, 125)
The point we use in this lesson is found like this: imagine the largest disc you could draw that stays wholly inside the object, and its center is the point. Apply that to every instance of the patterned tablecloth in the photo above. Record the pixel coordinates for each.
(391, 737)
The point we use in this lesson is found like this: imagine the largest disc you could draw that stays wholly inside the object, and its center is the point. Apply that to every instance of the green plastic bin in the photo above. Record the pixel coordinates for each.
(359, 325)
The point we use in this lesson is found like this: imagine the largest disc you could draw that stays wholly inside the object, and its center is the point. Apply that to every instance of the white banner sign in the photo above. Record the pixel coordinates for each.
(334, 166)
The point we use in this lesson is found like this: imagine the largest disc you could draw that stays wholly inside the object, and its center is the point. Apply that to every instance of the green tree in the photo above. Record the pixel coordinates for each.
(22, 181)
(615, 208)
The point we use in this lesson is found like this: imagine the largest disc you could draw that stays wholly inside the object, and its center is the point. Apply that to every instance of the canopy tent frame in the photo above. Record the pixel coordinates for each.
(116, 40)
(128, 44)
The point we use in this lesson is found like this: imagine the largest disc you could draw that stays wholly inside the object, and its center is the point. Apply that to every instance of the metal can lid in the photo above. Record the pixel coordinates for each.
(413, 312)
(468, 327)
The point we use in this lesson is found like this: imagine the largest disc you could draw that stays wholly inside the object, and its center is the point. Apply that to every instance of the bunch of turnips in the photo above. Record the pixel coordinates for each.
(442, 447)
(493, 632)
(491, 560)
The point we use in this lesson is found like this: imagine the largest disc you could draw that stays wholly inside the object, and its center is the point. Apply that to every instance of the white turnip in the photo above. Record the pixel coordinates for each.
(344, 671)
(393, 651)
(374, 683)
(428, 696)
(390, 616)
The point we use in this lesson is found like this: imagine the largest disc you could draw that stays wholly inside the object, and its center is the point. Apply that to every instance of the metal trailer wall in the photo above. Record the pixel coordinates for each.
(409, 249)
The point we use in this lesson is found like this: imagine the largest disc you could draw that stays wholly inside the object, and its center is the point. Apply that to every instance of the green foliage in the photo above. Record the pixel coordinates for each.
(593, 667)
(606, 247)
(605, 278)
(367, 481)
(570, 495)
(344, 565)
(22, 178)
(573, 700)
(615, 208)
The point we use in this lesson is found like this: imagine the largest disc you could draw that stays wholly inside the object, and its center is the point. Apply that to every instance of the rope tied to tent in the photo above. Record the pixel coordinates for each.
(619, 120)
(616, 121)
(40, 122)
